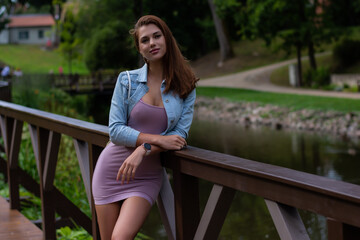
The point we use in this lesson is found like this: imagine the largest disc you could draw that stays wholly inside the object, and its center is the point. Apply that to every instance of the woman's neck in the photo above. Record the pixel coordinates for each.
(155, 70)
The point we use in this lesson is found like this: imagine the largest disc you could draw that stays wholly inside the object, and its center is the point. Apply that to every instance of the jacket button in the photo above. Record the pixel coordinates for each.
(172, 121)
(167, 100)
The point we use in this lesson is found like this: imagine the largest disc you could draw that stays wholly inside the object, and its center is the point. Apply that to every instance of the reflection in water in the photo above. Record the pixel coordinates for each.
(248, 217)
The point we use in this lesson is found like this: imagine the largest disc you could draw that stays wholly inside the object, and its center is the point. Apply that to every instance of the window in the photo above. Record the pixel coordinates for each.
(23, 35)
(41, 34)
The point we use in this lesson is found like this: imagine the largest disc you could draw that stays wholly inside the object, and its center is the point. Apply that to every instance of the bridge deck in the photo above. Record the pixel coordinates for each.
(13, 225)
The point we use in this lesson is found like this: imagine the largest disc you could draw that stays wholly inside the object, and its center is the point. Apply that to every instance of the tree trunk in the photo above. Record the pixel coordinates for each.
(312, 55)
(298, 51)
(226, 51)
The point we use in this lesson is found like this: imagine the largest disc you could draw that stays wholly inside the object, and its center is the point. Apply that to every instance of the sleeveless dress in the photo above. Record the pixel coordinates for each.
(148, 177)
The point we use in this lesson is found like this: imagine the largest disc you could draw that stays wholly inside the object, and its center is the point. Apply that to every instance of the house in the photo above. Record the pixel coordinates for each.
(28, 29)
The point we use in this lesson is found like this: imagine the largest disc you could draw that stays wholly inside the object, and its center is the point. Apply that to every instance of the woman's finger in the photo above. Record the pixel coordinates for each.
(128, 175)
(121, 170)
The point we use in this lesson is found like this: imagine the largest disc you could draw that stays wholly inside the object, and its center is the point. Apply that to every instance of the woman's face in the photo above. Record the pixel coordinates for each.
(152, 45)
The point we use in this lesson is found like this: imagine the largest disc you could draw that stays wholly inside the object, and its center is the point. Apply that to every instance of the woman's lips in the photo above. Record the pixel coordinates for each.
(154, 51)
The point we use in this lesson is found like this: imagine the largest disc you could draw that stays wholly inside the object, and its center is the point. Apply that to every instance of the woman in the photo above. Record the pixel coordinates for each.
(151, 111)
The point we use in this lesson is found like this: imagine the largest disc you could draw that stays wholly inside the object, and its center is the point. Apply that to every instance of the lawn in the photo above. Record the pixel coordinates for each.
(292, 101)
(35, 59)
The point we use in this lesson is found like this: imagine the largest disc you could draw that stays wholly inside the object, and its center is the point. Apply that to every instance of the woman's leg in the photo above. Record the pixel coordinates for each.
(107, 215)
(133, 213)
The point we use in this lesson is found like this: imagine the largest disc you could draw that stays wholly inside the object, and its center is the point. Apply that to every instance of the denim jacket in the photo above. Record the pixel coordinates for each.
(179, 111)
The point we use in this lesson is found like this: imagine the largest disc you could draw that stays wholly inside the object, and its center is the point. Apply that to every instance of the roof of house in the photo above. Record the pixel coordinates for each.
(33, 20)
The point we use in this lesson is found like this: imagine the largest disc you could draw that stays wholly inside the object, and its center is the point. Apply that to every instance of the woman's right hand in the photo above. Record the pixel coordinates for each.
(171, 142)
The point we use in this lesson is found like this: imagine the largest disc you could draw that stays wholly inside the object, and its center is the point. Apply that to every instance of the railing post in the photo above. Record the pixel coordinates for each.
(187, 210)
(341, 231)
(46, 146)
(11, 130)
(287, 221)
(94, 155)
(87, 155)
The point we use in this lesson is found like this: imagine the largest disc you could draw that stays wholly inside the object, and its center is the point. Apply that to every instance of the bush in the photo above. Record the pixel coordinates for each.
(317, 78)
(109, 48)
(345, 54)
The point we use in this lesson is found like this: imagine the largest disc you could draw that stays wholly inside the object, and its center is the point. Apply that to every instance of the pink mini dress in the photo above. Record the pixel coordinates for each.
(148, 177)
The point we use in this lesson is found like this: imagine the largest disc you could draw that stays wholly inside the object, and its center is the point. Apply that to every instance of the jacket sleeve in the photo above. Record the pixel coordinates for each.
(120, 133)
(183, 125)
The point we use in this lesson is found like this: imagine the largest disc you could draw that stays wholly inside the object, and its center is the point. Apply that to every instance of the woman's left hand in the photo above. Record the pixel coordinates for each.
(129, 166)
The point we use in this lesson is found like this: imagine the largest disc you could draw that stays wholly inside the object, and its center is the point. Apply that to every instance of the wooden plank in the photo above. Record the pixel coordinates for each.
(82, 153)
(294, 188)
(13, 225)
(287, 221)
(215, 212)
(187, 209)
(341, 231)
(51, 160)
(166, 207)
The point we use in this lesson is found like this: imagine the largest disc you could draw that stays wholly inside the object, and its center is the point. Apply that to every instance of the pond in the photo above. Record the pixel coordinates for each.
(248, 217)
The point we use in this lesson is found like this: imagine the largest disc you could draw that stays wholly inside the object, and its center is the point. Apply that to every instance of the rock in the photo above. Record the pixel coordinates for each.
(251, 113)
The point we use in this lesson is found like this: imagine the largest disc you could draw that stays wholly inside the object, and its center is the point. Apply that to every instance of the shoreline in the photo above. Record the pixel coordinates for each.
(341, 124)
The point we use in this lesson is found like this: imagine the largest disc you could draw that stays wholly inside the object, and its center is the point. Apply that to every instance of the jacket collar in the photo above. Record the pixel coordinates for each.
(142, 77)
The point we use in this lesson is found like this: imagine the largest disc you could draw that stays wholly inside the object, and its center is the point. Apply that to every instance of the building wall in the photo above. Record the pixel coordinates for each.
(35, 35)
(4, 36)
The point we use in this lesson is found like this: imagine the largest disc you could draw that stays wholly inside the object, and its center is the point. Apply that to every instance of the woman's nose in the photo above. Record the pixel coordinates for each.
(152, 41)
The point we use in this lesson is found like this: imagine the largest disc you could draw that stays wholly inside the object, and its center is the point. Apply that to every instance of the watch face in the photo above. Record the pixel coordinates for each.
(147, 146)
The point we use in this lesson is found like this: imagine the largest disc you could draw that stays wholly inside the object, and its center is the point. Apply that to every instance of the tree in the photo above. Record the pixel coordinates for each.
(3, 19)
(69, 43)
(226, 50)
(190, 22)
(110, 48)
(297, 24)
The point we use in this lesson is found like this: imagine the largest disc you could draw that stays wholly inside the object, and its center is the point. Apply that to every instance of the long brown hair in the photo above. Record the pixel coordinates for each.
(179, 76)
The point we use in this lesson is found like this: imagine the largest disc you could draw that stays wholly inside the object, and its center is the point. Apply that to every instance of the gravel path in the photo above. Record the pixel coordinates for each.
(259, 79)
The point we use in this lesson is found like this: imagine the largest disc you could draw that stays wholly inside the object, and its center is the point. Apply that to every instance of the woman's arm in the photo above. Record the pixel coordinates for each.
(119, 132)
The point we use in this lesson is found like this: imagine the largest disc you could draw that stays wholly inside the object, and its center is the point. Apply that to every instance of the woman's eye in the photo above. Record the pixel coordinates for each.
(157, 36)
(144, 40)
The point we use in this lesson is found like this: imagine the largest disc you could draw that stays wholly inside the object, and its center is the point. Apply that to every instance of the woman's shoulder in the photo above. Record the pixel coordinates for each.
(136, 75)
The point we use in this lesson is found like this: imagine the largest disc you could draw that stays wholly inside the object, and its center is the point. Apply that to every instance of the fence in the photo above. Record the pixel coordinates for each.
(284, 190)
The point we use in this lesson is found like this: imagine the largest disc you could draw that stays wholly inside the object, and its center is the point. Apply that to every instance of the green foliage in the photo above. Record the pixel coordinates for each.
(3, 20)
(188, 21)
(345, 54)
(51, 100)
(66, 233)
(317, 77)
(69, 43)
(110, 47)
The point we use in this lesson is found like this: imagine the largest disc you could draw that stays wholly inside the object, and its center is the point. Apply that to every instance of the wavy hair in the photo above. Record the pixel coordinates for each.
(179, 76)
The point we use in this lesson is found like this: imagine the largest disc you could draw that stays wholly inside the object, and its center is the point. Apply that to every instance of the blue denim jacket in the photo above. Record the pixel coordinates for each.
(179, 111)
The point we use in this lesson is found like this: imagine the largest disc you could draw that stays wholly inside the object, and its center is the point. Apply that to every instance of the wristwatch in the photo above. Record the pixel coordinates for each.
(147, 148)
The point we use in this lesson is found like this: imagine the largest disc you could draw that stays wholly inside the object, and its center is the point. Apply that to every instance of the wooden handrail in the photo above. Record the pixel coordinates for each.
(284, 190)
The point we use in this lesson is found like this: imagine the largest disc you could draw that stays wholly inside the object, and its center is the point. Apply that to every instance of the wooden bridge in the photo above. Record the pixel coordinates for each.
(284, 190)
(85, 84)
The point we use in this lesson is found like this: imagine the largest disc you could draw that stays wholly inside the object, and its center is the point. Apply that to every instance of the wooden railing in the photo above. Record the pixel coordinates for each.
(84, 83)
(284, 190)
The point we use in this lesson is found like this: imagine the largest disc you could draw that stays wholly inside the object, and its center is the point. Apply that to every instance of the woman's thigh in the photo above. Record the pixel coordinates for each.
(107, 216)
(133, 213)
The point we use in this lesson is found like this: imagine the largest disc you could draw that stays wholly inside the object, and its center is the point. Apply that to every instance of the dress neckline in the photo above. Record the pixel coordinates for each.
(147, 104)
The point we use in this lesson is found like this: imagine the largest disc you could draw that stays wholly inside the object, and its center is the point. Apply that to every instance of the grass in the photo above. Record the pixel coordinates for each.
(35, 59)
(292, 101)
